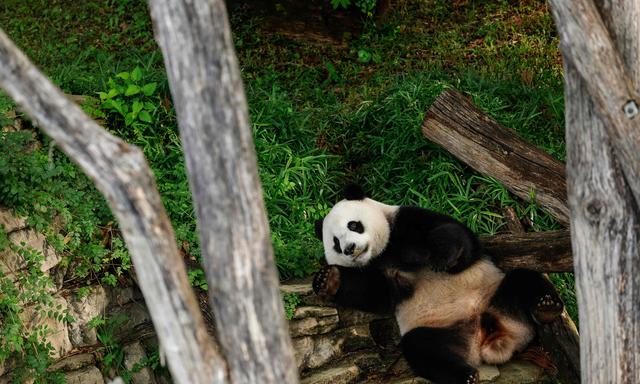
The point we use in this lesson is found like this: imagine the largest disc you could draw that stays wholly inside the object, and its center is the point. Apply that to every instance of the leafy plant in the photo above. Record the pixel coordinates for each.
(291, 302)
(130, 98)
(50, 189)
(28, 289)
(113, 354)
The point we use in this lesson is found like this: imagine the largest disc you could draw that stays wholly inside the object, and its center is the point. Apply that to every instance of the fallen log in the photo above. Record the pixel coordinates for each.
(476, 139)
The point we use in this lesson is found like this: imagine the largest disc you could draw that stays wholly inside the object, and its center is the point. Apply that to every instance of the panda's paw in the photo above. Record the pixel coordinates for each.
(326, 281)
(547, 308)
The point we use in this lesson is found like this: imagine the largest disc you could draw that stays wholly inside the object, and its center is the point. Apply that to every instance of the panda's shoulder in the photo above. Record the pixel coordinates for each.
(409, 216)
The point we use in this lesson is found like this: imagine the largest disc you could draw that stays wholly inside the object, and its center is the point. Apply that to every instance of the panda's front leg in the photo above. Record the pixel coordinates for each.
(366, 289)
(437, 354)
(450, 248)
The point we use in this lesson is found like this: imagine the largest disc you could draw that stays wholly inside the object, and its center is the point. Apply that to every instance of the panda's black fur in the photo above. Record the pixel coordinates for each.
(454, 307)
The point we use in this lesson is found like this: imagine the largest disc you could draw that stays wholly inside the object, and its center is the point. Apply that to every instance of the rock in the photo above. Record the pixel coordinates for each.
(411, 380)
(134, 358)
(123, 295)
(521, 372)
(12, 262)
(367, 362)
(315, 351)
(305, 292)
(302, 289)
(385, 332)
(313, 326)
(84, 309)
(338, 375)
(355, 338)
(88, 375)
(488, 372)
(57, 333)
(135, 314)
(73, 362)
(307, 311)
(349, 317)
(11, 223)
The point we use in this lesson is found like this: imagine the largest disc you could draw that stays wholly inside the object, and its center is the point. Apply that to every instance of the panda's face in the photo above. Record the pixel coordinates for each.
(355, 231)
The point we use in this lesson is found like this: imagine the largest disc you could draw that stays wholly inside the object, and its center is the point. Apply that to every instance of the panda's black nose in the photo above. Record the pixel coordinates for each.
(349, 249)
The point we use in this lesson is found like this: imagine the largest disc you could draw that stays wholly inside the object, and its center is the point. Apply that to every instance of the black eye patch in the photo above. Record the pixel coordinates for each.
(336, 245)
(355, 226)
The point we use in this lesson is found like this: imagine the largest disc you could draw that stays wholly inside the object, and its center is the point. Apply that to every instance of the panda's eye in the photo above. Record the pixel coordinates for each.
(355, 226)
(336, 245)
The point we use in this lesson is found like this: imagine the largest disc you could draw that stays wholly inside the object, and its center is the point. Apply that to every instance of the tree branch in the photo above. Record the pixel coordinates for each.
(121, 173)
(207, 89)
(538, 251)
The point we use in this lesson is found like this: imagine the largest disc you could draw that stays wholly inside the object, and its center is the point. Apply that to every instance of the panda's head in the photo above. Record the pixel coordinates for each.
(356, 230)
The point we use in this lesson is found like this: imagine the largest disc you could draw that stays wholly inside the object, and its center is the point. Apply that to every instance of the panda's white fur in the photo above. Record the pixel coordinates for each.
(374, 215)
(441, 299)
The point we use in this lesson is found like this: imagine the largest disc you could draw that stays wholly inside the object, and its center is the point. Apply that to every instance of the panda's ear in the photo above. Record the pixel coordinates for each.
(319, 223)
(353, 192)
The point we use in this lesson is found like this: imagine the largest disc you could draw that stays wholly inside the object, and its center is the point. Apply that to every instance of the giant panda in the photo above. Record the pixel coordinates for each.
(454, 307)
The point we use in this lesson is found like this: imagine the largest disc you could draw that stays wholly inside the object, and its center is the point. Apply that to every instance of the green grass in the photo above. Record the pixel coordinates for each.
(325, 115)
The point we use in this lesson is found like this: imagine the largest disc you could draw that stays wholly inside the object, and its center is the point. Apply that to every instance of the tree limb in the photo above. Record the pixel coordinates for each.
(121, 173)
(538, 251)
(207, 89)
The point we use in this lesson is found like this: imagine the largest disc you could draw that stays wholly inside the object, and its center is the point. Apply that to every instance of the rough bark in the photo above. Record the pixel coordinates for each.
(121, 173)
(538, 251)
(491, 149)
(600, 163)
(208, 94)
(607, 60)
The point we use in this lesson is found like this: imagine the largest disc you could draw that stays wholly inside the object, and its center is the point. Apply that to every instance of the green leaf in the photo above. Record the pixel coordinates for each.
(137, 107)
(148, 89)
(364, 56)
(112, 92)
(123, 75)
(132, 90)
(128, 119)
(144, 116)
(149, 106)
(136, 74)
(340, 3)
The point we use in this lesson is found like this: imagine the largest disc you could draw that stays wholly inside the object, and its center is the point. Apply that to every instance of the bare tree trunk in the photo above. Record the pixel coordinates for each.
(122, 175)
(195, 39)
(602, 173)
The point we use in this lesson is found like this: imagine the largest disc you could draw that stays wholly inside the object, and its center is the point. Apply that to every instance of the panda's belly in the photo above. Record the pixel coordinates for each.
(442, 299)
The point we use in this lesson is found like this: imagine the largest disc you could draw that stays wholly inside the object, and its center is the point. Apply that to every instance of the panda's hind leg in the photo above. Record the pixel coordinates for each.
(524, 292)
(437, 354)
